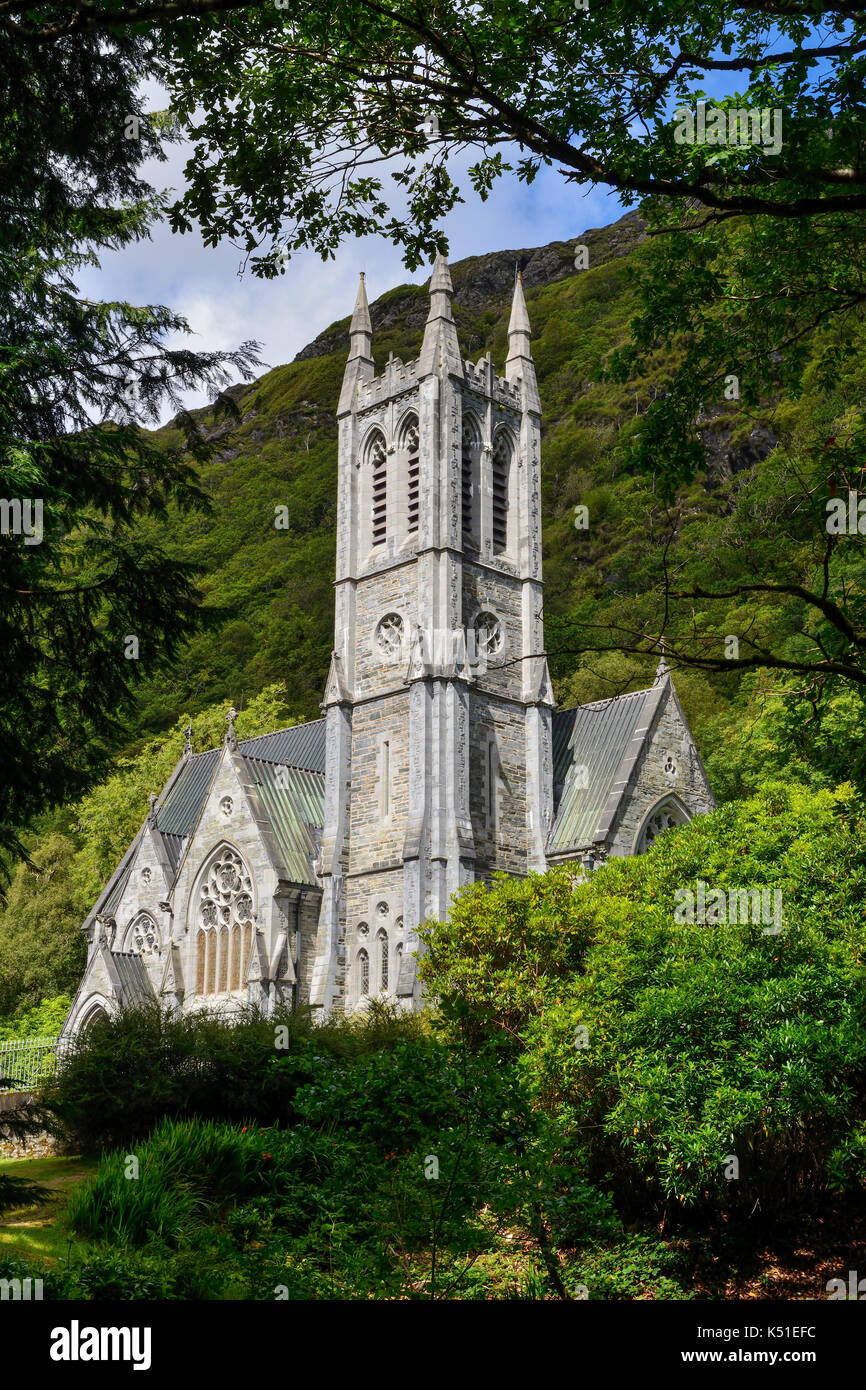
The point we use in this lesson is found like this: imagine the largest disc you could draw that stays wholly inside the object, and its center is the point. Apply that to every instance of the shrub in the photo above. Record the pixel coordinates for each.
(703, 1043)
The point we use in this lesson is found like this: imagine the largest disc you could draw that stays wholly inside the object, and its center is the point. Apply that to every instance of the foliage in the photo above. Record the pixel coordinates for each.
(702, 1041)
(77, 378)
(43, 1021)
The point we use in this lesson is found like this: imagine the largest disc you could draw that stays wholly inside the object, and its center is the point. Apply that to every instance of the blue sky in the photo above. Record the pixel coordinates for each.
(285, 314)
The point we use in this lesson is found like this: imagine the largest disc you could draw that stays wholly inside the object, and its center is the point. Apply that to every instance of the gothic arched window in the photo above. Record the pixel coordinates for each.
(377, 464)
(663, 817)
(470, 478)
(382, 938)
(502, 452)
(363, 973)
(142, 935)
(225, 909)
(409, 453)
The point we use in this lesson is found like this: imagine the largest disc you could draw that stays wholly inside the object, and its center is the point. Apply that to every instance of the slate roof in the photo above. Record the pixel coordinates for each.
(182, 807)
(595, 737)
(116, 890)
(133, 975)
(301, 746)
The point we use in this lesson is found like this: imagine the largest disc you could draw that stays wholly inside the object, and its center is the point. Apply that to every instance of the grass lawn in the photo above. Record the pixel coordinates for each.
(38, 1229)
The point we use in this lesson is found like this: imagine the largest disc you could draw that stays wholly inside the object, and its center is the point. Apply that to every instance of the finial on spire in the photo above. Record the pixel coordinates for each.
(151, 815)
(231, 736)
(662, 669)
(187, 741)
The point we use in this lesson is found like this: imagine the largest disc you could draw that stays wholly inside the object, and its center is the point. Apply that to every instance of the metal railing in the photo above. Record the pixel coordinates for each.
(24, 1062)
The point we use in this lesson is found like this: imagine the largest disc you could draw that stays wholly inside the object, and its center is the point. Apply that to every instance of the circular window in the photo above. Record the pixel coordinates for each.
(669, 767)
(489, 637)
(146, 875)
(382, 909)
(226, 806)
(389, 636)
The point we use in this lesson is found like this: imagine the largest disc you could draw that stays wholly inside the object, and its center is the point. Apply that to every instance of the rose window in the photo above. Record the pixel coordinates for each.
(389, 635)
(488, 634)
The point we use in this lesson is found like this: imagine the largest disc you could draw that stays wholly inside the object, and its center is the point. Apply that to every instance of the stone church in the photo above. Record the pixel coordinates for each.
(297, 866)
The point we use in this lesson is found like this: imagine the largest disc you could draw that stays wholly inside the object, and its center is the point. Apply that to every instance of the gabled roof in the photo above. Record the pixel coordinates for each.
(592, 745)
(180, 810)
(301, 746)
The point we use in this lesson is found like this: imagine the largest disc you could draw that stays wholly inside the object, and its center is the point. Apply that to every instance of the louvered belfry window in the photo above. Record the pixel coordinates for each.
(469, 481)
(413, 475)
(501, 464)
(379, 467)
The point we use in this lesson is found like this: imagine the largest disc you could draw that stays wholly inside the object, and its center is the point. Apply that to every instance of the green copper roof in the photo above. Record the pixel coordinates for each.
(294, 803)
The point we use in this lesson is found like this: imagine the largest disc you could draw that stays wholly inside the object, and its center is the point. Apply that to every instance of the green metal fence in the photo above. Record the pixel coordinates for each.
(24, 1062)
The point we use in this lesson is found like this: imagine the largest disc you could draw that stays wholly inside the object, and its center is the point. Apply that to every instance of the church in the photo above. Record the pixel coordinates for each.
(297, 867)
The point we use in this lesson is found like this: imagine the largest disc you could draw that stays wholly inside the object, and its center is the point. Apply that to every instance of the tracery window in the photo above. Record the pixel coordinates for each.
(225, 932)
(664, 817)
(142, 935)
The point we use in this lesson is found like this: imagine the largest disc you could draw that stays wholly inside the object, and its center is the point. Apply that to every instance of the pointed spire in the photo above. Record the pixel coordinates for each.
(519, 330)
(441, 290)
(519, 321)
(440, 349)
(519, 365)
(662, 670)
(187, 741)
(361, 327)
(151, 815)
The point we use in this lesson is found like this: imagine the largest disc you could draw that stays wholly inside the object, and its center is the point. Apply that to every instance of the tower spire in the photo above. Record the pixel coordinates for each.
(440, 348)
(359, 364)
(519, 330)
(519, 366)
(361, 329)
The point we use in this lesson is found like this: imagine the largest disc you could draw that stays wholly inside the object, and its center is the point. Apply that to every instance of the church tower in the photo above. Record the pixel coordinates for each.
(438, 703)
